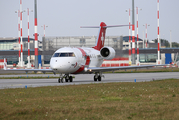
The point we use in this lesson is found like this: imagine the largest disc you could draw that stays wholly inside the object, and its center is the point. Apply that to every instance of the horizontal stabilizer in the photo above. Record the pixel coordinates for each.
(116, 26)
(90, 27)
(104, 26)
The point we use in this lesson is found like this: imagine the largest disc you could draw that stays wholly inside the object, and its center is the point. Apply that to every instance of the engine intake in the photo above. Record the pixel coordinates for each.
(107, 53)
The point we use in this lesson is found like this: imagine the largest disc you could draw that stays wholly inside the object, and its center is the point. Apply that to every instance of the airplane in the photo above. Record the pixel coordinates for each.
(83, 60)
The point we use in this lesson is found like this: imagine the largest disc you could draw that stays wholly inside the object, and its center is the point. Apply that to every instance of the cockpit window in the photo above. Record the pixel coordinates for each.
(64, 55)
(56, 54)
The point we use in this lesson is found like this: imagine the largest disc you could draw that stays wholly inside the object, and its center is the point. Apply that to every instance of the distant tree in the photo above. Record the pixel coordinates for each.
(166, 43)
(163, 42)
(175, 44)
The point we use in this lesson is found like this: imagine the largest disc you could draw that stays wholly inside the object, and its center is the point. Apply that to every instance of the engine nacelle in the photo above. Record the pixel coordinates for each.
(107, 53)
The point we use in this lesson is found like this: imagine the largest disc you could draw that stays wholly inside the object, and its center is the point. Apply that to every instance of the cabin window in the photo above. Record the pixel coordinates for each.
(64, 55)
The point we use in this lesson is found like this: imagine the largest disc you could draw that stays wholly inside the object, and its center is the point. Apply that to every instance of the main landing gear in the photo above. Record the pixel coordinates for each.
(97, 76)
(67, 78)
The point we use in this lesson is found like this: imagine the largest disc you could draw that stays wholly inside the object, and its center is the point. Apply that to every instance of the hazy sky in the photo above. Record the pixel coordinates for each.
(64, 17)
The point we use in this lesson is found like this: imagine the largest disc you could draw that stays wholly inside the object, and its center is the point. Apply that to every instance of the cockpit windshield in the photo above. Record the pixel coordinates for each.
(71, 54)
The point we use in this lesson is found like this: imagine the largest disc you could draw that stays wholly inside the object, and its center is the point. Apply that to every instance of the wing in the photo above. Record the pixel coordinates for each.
(104, 69)
(30, 70)
(27, 70)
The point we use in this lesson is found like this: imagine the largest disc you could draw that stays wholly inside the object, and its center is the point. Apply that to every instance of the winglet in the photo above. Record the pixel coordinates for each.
(5, 64)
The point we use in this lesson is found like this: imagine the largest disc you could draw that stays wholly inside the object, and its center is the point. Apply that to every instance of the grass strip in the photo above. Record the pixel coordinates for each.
(123, 100)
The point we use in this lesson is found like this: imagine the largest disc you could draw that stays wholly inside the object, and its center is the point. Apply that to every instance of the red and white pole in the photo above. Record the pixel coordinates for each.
(36, 35)
(44, 30)
(158, 61)
(133, 41)
(137, 62)
(146, 36)
(129, 39)
(28, 58)
(21, 34)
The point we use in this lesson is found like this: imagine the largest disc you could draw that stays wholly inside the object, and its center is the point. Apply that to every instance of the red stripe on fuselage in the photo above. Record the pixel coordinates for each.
(82, 67)
(82, 51)
(79, 70)
(87, 60)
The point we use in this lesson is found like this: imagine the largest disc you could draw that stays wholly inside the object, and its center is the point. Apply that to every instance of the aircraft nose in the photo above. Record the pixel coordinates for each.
(59, 65)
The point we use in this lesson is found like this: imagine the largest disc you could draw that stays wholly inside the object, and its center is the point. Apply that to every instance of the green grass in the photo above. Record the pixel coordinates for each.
(108, 101)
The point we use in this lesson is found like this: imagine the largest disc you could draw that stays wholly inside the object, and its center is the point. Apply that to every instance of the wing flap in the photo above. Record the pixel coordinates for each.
(31, 70)
(104, 69)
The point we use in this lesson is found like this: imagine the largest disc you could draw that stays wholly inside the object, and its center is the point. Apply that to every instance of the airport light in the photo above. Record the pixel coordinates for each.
(146, 33)
(158, 62)
(170, 39)
(28, 64)
(36, 34)
(18, 12)
(129, 37)
(21, 62)
(137, 62)
(133, 34)
(44, 26)
(21, 11)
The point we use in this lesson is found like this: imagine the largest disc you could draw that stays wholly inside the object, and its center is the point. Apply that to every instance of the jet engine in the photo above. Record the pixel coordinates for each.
(107, 53)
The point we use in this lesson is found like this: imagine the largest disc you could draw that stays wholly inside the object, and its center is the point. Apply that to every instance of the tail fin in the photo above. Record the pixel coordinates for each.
(5, 64)
(101, 35)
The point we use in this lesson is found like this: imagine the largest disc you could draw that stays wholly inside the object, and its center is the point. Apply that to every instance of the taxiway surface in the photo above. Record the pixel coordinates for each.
(83, 79)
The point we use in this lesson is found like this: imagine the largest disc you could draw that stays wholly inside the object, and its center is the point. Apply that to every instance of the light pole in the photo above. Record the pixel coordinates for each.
(21, 62)
(170, 39)
(133, 34)
(146, 34)
(36, 34)
(158, 61)
(18, 12)
(44, 26)
(129, 37)
(137, 62)
(28, 64)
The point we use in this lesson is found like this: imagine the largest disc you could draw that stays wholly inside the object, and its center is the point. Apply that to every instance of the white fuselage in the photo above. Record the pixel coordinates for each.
(74, 60)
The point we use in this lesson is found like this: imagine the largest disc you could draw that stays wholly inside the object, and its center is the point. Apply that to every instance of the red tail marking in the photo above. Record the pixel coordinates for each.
(101, 37)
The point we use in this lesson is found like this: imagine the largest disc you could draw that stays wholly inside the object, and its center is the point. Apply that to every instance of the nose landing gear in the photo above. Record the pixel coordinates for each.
(67, 78)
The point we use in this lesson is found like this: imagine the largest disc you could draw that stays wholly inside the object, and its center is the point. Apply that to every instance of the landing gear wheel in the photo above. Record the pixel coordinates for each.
(59, 80)
(71, 79)
(66, 79)
(99, 78)
(95, 79)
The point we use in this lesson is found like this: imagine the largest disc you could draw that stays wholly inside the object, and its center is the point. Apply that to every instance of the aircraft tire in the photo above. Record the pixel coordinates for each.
(95, 79)
(62, 80)
(59, 80)
(66, 80)
(99, 78)
(71, 79)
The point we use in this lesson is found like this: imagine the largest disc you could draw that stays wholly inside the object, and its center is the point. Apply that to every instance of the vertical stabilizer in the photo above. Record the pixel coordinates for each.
(102, 32)
(101, 37)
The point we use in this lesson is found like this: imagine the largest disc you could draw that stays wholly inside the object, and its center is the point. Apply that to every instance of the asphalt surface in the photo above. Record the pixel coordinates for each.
(83, 79)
